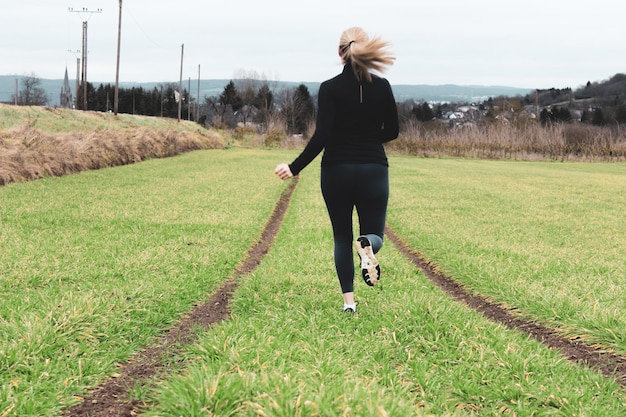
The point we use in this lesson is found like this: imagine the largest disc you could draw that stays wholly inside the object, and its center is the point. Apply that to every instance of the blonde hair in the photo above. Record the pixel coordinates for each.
(364, 54)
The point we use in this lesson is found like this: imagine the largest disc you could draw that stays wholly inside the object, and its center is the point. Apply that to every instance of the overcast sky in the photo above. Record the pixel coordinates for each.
(528, 44)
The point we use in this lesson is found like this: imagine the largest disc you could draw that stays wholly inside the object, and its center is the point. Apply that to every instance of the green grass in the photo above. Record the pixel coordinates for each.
(545, 239)
(55, 120)
(410, 350)
(94, 265)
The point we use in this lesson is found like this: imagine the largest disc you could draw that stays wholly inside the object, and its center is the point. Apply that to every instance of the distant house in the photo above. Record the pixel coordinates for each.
(66, 93)
(463, 116)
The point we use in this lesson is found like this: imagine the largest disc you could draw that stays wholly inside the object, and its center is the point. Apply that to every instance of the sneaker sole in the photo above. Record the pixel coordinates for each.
(369, 264)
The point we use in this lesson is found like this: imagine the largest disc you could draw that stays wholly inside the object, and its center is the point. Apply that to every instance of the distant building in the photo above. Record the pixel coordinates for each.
(66, 93)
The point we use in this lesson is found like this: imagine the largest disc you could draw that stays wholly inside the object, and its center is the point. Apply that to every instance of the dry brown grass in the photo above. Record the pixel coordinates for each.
(28, 153)
(571, 142)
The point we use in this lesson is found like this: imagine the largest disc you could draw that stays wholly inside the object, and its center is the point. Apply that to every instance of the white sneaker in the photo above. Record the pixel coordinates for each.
(369, 264)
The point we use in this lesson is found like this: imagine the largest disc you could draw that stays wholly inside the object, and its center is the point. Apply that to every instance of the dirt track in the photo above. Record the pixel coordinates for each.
(111, 398)
(576, 351)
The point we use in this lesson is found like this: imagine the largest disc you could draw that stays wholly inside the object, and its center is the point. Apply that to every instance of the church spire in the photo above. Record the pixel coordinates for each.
(66, 92)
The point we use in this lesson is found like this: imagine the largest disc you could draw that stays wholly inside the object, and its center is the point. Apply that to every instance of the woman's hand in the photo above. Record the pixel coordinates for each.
(283, 171)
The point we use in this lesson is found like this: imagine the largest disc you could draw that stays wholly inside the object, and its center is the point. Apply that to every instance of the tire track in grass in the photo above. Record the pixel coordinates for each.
(111, 397)
(610, 364)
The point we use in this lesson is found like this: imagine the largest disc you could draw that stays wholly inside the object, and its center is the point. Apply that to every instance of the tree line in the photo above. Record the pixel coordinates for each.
(244, 101)
(598, 103)
(249, 100)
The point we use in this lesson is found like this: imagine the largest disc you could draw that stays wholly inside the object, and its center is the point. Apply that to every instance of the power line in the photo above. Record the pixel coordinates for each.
(138, 25)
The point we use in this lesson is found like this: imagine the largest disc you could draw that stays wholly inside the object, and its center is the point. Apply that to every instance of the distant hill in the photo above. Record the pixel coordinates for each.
(608, 92)
(402, 92)
(454, 93)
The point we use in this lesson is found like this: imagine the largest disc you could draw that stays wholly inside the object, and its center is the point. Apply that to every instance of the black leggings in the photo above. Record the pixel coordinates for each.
(344, 187)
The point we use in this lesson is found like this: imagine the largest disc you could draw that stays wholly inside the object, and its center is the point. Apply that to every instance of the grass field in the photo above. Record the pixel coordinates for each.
(95, 265)
(546, 239)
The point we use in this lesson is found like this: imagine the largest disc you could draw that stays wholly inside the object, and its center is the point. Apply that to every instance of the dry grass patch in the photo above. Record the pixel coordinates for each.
(28, 152)
(531, 142)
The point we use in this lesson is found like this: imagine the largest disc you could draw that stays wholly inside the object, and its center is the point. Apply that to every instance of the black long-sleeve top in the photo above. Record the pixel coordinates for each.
(354, 119)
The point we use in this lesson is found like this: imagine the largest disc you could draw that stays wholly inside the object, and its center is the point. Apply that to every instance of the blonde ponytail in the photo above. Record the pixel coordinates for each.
(364, 54)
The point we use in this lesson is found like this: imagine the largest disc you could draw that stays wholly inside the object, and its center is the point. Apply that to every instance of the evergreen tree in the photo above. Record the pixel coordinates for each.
(264, 98)
(423, 113)
(264, 101)
(231, 97)
(545, 117)
(306, 109)
(598, 117)
(439, 112)
(562, 115)
(169, 104)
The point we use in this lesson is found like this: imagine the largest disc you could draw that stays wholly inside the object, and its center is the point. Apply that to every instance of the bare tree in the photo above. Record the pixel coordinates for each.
(218, 112)
(247, 85)
(256, 95)
(31, 94)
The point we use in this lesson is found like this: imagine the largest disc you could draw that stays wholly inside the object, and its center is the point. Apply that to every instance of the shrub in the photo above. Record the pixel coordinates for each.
(274, 138)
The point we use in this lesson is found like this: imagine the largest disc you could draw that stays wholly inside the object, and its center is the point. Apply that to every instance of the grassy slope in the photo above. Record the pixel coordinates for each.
(53, 120)
(38, 142)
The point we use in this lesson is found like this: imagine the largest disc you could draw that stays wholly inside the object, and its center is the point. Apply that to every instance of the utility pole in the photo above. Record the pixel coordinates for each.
(16, 91)
(77, 82)
(117, 69)
(180, 84)
(83, 76)
(77, 76)
(84, 69)
(198, 97)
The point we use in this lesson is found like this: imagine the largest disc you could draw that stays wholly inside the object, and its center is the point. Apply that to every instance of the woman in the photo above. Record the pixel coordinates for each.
(357, 113)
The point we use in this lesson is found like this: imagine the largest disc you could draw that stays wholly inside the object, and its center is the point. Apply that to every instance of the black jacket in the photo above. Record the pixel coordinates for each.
(354, 119)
